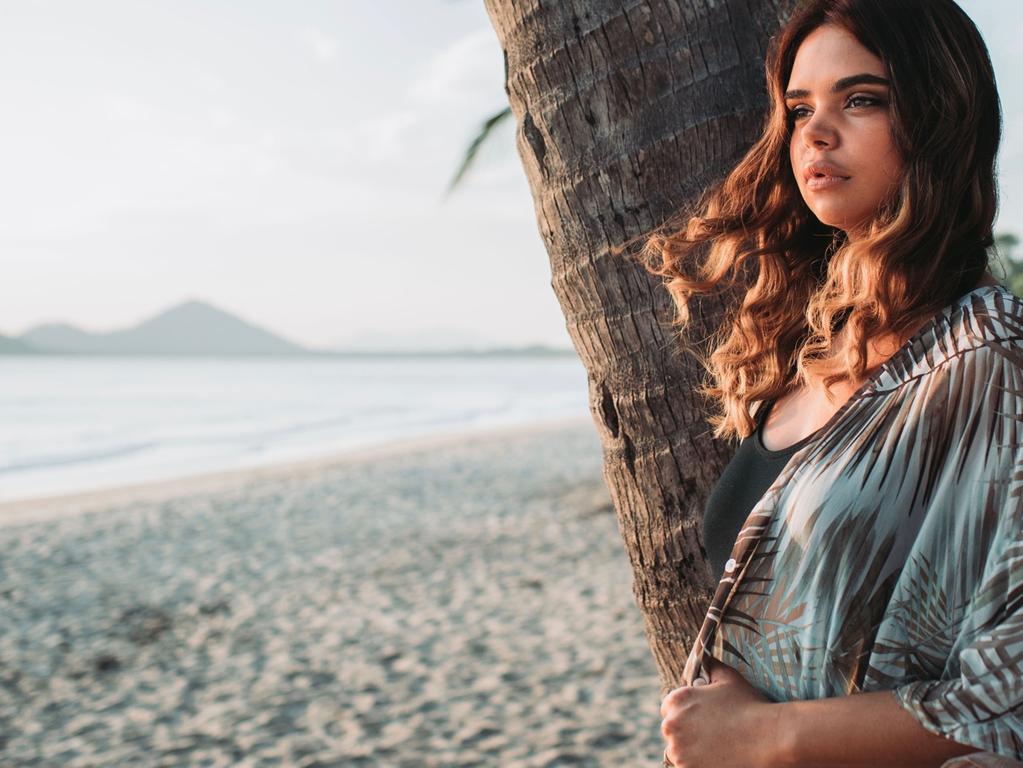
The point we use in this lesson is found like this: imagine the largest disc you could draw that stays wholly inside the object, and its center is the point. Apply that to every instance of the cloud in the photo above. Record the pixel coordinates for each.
(322, 46)
(471, 68)
(385, 134)
(375, 138)
(126, 110)
(222, 117)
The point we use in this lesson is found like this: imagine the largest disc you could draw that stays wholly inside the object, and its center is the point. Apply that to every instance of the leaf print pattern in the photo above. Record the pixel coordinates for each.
(888, 553)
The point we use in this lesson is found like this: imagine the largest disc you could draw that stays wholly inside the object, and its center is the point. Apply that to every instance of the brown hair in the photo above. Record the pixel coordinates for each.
(792, 281)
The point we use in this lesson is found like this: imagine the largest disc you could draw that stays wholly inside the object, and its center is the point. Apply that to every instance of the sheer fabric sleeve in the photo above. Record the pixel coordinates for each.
(982, 705)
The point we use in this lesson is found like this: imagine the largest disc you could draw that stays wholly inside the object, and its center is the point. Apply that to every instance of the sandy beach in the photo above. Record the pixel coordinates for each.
(463, 601)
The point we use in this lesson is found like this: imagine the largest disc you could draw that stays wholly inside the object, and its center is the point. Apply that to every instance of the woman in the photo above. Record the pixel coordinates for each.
(873, 522)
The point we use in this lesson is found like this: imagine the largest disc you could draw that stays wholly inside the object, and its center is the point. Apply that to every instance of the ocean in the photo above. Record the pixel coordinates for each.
(74, 424)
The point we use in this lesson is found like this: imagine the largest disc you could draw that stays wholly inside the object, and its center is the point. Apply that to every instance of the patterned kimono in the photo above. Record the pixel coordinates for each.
(888, 553)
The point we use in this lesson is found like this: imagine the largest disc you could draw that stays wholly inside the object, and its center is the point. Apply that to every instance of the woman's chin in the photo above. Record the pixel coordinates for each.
(834, 218)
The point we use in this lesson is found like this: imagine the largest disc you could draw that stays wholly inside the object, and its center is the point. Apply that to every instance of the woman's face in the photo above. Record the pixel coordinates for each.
(842, 150)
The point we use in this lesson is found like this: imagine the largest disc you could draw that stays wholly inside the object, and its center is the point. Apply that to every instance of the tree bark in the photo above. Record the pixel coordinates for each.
(626, 111)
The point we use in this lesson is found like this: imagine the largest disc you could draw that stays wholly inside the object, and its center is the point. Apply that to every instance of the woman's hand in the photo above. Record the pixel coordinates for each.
(726, 723)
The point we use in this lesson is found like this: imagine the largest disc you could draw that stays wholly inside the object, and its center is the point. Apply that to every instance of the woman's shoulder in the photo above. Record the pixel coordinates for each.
(996, 312)
(984, 327)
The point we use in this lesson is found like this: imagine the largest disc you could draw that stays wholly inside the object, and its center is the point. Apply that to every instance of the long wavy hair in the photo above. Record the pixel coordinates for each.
(789, 281)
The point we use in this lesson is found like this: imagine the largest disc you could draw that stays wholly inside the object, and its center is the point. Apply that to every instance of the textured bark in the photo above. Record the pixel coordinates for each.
(625, 111)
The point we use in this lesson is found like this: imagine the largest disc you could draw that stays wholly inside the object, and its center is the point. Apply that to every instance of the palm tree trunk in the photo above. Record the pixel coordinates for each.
(625, 111)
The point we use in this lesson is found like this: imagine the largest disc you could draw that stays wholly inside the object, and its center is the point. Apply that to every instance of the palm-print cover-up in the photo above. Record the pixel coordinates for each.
(888, 553)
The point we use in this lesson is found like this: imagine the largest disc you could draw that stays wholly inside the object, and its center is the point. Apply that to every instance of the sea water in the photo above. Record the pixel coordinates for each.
(71, 424)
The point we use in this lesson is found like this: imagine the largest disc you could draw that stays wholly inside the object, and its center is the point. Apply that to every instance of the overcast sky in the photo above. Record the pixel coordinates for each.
(286, 161)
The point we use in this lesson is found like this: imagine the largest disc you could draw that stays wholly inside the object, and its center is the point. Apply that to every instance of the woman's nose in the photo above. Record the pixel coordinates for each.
(818, 132)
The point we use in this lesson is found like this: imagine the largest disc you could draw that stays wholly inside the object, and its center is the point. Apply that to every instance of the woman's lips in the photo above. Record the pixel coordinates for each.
(818, 183)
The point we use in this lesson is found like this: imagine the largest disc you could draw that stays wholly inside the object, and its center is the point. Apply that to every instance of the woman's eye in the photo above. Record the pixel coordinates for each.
(863, 101)
(798, 113)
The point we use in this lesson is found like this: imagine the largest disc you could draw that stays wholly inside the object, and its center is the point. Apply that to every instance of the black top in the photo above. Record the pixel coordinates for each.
(744, 481)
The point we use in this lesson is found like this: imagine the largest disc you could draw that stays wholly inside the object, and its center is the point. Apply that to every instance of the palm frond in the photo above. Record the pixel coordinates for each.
(470, 154)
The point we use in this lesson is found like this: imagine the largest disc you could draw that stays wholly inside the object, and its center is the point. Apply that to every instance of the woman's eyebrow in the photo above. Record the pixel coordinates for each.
(841, 85)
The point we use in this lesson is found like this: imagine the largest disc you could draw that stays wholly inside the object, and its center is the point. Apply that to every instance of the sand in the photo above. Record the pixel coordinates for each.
(464, 601)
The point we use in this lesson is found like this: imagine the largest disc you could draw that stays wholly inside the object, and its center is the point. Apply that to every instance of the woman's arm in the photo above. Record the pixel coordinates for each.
(863, 729)
(730, 723)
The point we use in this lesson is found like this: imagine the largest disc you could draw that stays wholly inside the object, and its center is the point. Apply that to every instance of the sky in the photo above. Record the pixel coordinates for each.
(287, 162)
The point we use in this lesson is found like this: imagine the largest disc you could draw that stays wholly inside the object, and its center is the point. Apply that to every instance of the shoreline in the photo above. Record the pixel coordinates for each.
(57, 506)
(461, 600)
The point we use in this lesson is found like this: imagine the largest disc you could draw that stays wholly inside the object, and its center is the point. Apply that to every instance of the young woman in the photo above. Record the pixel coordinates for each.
(873, 520)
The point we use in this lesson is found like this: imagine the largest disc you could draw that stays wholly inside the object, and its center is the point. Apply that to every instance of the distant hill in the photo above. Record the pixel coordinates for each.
(533, 350)
(191, 328)
(196, 328)
(431, 341)
(9, 346)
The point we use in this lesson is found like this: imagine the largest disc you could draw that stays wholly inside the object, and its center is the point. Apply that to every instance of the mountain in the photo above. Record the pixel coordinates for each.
(428, 339)
(55, 336)
(191, 328)
(435, 341)
(9, 346)
(533, 350)
(196, 328)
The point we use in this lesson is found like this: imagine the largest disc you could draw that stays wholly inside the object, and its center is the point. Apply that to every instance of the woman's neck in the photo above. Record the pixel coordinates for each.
(987, 279)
